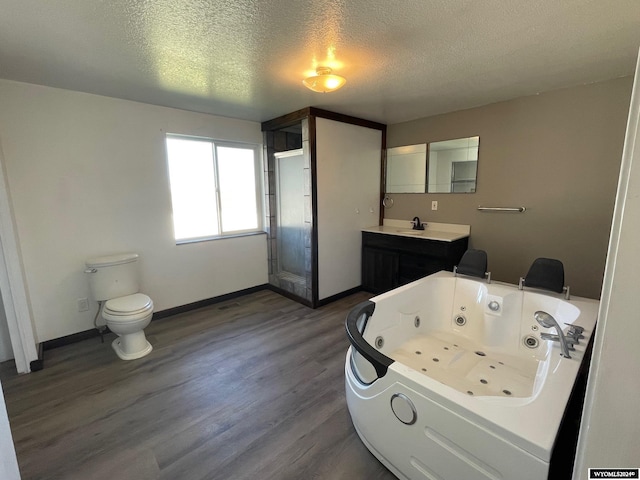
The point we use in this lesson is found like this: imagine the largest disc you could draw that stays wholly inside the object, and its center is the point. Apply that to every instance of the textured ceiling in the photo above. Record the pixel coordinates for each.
(403, 59)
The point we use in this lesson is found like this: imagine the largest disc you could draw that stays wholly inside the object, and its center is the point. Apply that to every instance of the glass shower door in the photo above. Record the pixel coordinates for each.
(289, 170)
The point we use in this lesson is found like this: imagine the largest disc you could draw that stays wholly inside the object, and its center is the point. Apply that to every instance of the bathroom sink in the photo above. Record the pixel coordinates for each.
(411, 232)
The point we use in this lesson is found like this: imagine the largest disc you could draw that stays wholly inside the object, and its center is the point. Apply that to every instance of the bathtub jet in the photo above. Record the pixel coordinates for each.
(483, 398)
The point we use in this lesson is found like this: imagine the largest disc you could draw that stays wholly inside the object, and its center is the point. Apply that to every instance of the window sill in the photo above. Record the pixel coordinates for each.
(219, 237)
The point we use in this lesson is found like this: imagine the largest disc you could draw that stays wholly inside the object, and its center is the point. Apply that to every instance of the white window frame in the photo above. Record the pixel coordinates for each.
(258, 179)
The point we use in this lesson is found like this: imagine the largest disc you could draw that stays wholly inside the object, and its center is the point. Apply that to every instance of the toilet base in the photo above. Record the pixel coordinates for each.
(117, 345)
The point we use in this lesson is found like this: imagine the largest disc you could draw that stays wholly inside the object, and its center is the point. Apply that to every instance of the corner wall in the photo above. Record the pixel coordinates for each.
(609, 428)
(348, 182)
(88, 176)
(558, 154)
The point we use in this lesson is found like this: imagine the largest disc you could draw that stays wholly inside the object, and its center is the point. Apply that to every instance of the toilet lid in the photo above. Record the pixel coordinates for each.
(129, 304)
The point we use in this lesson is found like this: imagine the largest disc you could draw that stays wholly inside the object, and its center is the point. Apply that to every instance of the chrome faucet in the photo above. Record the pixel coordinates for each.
(555, 338)
(547, 321)
(417, 224)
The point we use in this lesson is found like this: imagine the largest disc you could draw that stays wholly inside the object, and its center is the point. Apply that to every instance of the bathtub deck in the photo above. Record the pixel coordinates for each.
(468, 367)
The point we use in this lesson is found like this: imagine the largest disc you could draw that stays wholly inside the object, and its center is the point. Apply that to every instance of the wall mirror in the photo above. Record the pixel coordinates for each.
(407, 169)
(451, 167)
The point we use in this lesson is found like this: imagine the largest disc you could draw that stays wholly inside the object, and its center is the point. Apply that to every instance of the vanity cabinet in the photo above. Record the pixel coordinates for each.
(389, 261)
(379, 269)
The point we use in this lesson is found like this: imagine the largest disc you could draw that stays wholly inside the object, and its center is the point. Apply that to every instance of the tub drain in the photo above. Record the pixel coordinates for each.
(379, 342)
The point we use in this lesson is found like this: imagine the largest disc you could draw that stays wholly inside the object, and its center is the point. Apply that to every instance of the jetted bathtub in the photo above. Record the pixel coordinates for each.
(449, 377)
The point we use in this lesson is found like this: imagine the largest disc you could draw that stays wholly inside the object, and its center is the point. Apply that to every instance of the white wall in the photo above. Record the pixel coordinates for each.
(611, 420)
(348, 179)
(88, 176)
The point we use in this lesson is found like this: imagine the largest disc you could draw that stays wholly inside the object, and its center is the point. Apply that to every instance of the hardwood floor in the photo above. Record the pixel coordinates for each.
(250, 388)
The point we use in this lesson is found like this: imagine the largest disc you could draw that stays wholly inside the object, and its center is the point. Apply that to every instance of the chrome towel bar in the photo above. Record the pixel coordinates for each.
(502, 209)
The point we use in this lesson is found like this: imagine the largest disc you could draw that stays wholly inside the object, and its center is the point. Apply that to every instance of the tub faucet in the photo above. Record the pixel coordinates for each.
(417, 224)
(547, 321)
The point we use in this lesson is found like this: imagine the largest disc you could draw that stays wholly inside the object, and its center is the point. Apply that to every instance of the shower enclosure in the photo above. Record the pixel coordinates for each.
(289, 213)
(322, 186)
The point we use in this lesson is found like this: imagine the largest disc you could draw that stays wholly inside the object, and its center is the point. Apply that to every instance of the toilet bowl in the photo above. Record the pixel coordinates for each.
(114, 280)
(127, 317)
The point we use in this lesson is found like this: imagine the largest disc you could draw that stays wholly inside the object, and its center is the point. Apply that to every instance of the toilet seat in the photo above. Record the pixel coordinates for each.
(128, 308)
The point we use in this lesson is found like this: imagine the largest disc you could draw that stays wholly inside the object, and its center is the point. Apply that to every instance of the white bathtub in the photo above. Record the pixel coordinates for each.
(471, 401)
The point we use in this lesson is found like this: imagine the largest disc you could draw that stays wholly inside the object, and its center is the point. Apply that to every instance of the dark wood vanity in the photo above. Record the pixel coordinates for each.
(389, 261)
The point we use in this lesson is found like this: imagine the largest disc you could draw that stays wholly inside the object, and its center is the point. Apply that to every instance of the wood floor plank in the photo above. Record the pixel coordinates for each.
(252, 387)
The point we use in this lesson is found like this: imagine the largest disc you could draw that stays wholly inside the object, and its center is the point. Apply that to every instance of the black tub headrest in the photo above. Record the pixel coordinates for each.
(473, 263)
(546, 273)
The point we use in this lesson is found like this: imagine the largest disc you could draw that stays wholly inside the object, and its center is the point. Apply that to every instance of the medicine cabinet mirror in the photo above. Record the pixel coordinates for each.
(452, 167)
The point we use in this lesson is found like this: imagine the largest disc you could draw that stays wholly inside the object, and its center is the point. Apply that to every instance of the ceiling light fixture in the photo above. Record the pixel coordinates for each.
(324, 81)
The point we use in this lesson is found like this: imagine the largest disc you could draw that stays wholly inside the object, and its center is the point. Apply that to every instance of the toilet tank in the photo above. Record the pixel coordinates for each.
(113, 276)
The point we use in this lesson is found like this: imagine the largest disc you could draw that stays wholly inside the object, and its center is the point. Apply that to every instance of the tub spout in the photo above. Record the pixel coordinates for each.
(547, 321)
(555, 338)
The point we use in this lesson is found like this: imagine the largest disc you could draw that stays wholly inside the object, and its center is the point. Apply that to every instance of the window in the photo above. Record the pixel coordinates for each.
(215, 187)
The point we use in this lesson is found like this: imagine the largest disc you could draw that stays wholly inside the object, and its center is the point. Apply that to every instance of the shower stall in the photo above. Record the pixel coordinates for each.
(289, 213)
(322, 186)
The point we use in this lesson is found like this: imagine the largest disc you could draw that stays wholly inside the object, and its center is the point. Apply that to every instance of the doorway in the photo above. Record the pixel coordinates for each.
(13, 294)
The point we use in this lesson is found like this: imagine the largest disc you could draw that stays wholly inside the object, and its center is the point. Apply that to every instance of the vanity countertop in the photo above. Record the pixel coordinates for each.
(443, 232)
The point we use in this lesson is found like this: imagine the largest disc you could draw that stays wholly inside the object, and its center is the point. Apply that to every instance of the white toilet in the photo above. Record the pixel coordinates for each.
(114, 278)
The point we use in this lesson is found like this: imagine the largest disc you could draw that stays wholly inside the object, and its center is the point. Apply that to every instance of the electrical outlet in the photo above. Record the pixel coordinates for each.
(83, 304)
(434, 205)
